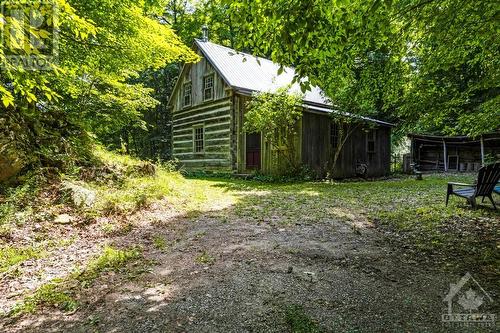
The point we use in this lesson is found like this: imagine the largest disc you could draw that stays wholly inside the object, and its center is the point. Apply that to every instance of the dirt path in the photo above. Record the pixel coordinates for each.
(223, 272)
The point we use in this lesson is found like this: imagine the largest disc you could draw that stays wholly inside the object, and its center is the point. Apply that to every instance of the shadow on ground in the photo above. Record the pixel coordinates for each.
(238, 268)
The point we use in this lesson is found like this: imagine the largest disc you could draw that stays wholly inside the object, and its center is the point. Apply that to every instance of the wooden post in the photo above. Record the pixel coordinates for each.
(445, 157)
(482, 151)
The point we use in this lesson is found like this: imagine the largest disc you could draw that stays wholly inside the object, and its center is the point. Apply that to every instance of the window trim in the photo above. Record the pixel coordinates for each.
(334, 128)
(212, 94)
(184, 105)
(195, 140)
(371, 136)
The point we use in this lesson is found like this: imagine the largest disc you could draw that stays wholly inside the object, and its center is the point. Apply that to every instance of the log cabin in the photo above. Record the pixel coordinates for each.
(209, 102)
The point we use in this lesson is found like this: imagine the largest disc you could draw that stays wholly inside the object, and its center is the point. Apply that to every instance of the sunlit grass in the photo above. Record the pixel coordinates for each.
(61, 293)
(11, 256)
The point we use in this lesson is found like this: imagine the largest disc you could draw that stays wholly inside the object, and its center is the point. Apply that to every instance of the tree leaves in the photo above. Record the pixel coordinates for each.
(434, 65)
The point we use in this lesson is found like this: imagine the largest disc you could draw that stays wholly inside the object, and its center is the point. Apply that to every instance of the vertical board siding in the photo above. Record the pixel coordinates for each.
(317, 151)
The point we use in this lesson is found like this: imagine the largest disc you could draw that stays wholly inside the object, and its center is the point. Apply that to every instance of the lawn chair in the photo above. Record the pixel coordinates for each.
(497, 189)
(487, 179)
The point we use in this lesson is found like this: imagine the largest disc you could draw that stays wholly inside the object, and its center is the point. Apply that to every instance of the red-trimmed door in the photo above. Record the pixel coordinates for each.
(253, 151)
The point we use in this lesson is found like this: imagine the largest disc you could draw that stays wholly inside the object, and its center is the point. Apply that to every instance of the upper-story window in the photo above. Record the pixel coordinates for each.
(208, 87)
(187, 94)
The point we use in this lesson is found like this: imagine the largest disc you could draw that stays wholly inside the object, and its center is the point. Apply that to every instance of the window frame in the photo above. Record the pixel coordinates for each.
(211, 89)
(184, 105)
(196, 139)
(371, 136)
(334, 135)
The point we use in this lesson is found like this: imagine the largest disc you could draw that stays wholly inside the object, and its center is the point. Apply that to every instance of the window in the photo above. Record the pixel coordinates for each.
(370, 144)
(187, 94)
(334, 135)
(208, 87)
(199, 142)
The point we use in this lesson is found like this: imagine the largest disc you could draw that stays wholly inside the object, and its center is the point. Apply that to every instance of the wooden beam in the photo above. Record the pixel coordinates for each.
(482, 151)
(445, 157)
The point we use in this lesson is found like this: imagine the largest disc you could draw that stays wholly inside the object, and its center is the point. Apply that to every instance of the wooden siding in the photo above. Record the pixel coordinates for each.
(239, 142)
(225, 140)
(315, 141)
(214, 115)
(316, 149)
(195, 73)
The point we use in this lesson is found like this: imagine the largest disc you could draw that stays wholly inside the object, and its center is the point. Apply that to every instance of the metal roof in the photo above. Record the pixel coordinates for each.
(453, 139)
(250, 73)
(330, 110)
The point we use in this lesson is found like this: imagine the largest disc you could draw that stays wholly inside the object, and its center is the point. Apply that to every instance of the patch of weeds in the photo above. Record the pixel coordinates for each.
(110, 260)
(159, 243)
(59, 293)
(205, 259)
(50, 294)
(11, 256)
(139, 268)
(200, 235)
(93, 320)
(108, 228)
(299, 321)
(118, 229)
(137, 192)
(6, 231)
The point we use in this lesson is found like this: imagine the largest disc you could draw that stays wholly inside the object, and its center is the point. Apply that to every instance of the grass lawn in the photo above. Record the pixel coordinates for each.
(167, 219)
(412, 213)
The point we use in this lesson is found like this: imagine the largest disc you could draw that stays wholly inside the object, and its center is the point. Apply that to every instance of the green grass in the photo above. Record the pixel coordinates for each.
(111, 259)
(205, 259)
(299, 322)
(413, 212)
(52, 294)
(61, 293)
(160, 243)
(11, 256)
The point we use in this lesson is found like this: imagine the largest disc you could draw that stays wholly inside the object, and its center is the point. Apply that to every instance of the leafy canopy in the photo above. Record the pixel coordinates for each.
(432, 64)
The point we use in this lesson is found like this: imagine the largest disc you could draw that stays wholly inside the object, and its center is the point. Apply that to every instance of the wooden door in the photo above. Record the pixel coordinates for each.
(253, 151)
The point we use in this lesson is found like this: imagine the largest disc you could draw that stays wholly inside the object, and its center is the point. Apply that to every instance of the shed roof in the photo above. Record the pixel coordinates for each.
(453, 139)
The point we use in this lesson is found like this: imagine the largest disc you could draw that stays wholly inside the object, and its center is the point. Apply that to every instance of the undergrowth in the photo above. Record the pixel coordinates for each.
(62, 293)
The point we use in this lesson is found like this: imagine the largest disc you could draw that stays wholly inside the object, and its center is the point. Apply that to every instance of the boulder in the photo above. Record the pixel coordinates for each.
(64, 219)
(80, 196)
(9, 167)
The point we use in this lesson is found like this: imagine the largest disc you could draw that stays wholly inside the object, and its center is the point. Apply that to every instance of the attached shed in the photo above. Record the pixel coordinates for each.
(209, 103)
(453, 153)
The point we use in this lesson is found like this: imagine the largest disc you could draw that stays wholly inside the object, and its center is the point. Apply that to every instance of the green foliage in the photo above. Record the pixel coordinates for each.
(205, 259)
(16, 202)
(160, 243)
(111, 259)
(11, 256)
(50, 294)
(53, 116)
(277, 116)
(433, 64)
